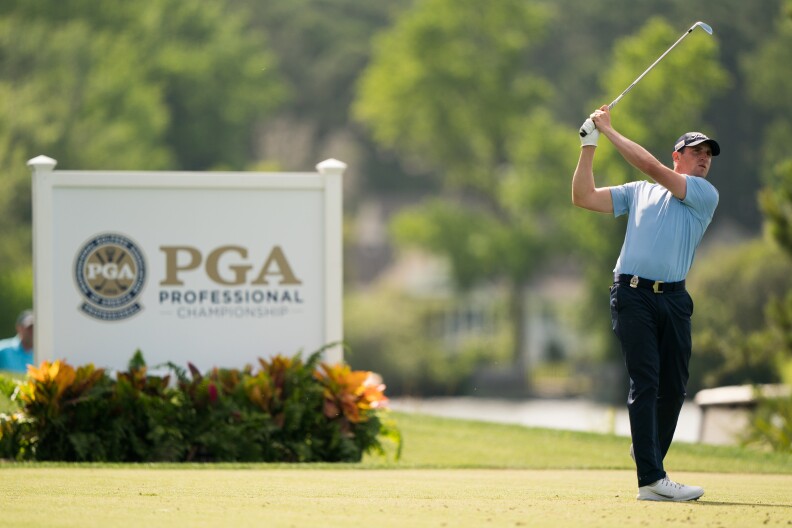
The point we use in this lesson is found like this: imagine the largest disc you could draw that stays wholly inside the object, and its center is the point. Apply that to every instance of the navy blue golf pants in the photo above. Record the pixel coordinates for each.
(654, 331)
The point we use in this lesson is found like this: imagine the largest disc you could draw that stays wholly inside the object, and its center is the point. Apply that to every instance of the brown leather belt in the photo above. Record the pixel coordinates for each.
(634, 281)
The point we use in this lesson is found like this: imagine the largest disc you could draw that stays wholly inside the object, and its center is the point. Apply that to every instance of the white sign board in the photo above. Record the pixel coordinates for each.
(216, 269)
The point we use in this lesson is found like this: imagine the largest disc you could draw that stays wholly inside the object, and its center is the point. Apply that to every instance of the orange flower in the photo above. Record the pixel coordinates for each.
(48, 382)
(51, 386)
(374, 392)
(351, 394)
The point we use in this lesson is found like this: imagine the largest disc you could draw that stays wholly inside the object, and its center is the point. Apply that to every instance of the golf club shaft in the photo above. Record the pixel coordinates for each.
(650, 67)
(585, 129)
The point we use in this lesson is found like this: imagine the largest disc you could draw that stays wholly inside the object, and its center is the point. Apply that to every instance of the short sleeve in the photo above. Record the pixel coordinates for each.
(622, 197)
(702, 197)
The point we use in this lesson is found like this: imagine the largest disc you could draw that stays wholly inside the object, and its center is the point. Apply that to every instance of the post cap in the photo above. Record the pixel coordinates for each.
(42, 163)
(331, 166)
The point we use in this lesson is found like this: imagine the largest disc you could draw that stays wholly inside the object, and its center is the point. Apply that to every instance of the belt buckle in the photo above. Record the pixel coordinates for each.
(634, 281)
(656, 286)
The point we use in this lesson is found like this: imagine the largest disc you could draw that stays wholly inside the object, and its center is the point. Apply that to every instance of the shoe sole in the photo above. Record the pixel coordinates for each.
(661, 498)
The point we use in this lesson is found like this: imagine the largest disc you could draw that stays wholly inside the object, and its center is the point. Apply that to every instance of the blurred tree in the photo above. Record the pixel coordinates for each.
(734, 288)
(413, 360)
(103, 115)
(194, 68)
(449, 87)
(16, 287)
(123, 85)
(769, 86)
(219, 78)
(767, 81)
(321, 47)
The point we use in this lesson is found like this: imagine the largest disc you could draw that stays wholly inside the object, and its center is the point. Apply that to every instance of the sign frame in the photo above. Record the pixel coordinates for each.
(47, 182)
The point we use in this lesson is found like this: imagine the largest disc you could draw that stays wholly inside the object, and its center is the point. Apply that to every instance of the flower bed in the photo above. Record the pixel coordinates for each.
(286, 410)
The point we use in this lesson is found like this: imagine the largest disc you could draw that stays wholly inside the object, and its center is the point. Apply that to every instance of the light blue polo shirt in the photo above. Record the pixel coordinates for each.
(663, 231)
(13, 356)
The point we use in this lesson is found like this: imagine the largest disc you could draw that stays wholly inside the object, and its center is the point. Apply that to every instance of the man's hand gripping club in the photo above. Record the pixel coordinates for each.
(588, 132)
(598, 120)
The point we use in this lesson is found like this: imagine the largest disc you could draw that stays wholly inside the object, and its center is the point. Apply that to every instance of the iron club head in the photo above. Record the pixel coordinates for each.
(702, 25)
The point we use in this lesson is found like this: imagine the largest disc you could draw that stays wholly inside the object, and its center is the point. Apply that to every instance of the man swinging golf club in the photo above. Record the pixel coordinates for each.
(650, 307)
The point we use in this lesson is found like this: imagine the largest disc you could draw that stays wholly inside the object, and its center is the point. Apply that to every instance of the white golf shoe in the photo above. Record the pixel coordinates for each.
(666, 489)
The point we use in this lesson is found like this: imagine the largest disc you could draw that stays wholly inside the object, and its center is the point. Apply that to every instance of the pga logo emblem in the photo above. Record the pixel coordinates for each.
(110, 272)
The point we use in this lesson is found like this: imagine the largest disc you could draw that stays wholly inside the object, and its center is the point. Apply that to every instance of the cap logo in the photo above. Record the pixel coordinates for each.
(690, 138)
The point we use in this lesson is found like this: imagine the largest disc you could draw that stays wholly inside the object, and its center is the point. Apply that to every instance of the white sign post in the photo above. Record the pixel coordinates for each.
(216, 269)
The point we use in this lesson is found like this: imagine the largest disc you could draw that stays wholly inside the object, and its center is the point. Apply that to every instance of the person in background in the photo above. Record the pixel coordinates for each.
(16, 353)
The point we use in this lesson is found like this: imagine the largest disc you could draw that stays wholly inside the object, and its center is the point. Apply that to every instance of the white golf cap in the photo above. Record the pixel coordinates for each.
(25, 319)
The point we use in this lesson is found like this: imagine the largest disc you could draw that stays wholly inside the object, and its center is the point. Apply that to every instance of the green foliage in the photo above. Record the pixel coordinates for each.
(475, 242)
(142, 85)
(766, 81)
(321, 48)
(447, 82)
(7, 386)
(537, 201)
(107, 115)
(16, 286)
(690, 78)
(289, 410)
(776, 202)
(400, 336)
(771, 425)
(763, 71)
(448, 85)
(514, 229)
(733, 340)
(779, 332)
(128, 85)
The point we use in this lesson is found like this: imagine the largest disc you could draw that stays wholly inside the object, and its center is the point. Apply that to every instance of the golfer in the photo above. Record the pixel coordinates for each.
(650, 307)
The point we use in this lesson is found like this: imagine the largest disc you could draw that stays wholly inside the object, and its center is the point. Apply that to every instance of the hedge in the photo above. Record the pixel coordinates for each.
(286, 410)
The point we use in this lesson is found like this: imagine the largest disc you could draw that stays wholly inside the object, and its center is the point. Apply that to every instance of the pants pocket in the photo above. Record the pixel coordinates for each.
(614, 308)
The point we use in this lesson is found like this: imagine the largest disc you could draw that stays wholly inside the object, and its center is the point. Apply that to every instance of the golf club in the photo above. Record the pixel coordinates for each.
(588, 125)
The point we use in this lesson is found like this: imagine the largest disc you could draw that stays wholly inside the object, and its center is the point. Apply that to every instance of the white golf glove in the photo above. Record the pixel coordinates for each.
(589, 134)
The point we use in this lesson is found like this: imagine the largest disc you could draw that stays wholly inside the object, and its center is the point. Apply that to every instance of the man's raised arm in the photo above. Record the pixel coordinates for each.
(585, 193)
(639, 157)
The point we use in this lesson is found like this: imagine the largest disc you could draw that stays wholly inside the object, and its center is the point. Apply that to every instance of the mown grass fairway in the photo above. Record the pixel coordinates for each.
(60, 497)
(454, 473)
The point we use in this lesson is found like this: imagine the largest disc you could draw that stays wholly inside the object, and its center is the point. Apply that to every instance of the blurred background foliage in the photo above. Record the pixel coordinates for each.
(458, 121)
